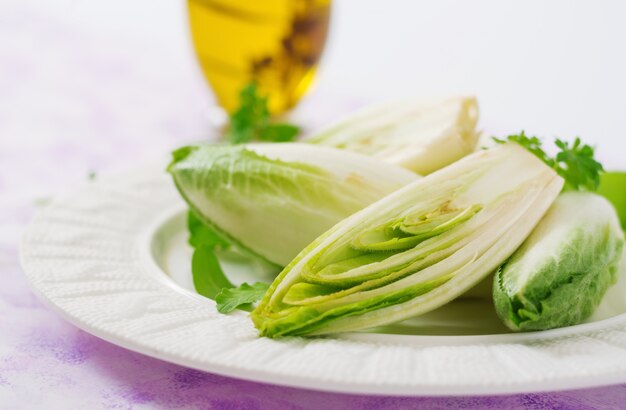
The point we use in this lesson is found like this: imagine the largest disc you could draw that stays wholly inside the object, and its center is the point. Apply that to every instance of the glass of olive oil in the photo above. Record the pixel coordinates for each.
(276, 43)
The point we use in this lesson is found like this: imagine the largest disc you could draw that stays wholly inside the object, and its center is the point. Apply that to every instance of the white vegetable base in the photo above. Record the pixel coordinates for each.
(113, 260)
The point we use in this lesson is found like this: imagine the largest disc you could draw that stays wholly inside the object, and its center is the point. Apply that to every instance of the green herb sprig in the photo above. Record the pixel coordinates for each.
(209, 279)
(251, 121)
(575, 162)
(241, 297)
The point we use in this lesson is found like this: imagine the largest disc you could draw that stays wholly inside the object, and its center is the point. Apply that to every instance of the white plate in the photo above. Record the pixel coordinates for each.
(113, 260)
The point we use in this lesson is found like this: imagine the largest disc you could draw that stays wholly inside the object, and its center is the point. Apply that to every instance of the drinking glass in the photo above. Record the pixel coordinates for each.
(275, 43)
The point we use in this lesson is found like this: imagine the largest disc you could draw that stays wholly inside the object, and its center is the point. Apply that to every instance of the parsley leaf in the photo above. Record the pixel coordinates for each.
(575, 163)
(231, 298)
(251, 121)
(279, 133)
(208, 277)
(207, 274)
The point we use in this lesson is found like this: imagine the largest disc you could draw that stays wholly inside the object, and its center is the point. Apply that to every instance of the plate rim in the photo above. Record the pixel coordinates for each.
(307, 381)
(338, 387)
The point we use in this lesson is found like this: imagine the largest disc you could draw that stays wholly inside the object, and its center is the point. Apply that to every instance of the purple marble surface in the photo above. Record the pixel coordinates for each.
(76, 100)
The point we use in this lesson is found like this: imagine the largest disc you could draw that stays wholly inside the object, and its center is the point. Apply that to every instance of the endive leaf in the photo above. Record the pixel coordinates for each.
(365, 271)
(422, 137)
(560, 274)
(271, 200)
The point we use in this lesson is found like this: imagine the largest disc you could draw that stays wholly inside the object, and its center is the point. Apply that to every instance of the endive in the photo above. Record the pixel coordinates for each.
(414, 250)
(418, 136)
(560, 274)
(271, 200)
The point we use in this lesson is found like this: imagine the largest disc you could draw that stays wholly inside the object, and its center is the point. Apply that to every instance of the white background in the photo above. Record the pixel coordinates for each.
(555, 68)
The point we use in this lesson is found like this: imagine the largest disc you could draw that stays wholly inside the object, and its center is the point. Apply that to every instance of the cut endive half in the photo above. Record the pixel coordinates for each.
(560, 274)
(272, 200)
(422, 137)
(414, 250)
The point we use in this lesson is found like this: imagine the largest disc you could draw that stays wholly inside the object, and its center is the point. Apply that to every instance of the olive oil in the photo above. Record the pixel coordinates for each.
(276, 43)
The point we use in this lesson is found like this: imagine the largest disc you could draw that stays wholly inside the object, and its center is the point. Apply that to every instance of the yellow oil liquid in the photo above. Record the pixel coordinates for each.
(276, 43)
